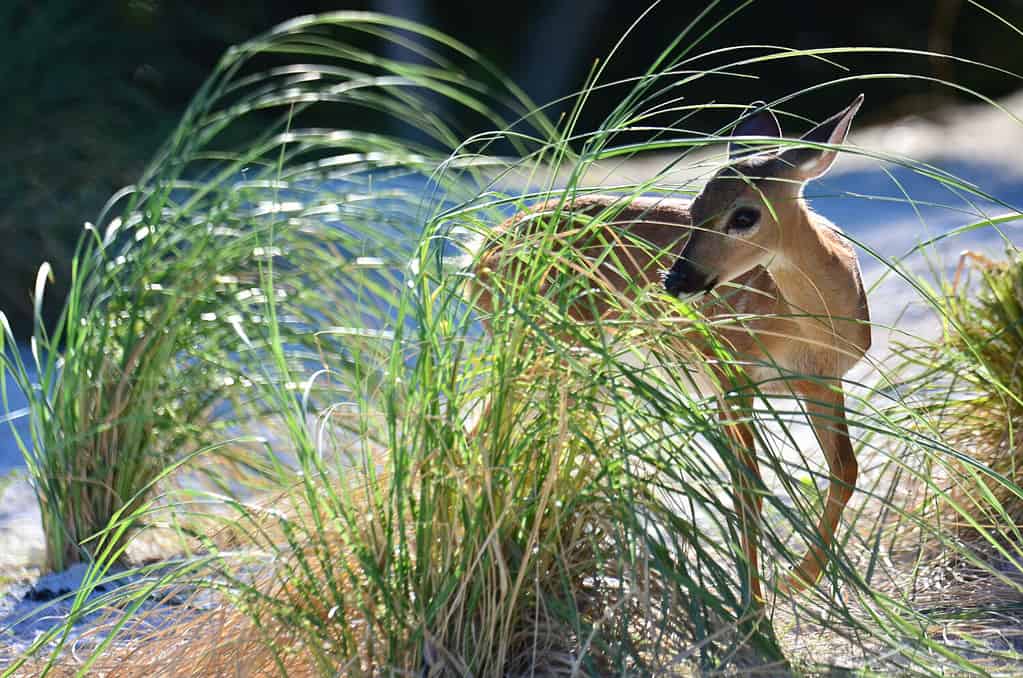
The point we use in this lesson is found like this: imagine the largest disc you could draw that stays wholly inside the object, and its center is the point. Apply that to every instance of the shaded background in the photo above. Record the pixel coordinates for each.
(92, 88)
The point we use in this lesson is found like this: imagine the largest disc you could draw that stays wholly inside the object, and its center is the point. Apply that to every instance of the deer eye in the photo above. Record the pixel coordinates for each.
(743, 219)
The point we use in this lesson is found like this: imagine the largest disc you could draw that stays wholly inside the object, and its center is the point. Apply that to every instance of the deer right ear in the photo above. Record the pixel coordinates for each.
(810, 163)
(756, 121)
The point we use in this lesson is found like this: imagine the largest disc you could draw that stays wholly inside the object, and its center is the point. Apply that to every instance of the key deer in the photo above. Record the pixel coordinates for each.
(785, 273)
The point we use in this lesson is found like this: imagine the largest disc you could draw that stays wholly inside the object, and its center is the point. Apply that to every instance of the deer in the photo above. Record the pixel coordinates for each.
(749, 248)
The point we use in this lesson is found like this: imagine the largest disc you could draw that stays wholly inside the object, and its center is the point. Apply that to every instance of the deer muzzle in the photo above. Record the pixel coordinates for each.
(686, 278)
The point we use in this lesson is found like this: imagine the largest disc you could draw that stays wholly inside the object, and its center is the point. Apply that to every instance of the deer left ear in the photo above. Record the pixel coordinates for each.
(810, 163)
(756, 121)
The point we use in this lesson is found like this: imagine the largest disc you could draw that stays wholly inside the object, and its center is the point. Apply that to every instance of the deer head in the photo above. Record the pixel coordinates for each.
(741, 217)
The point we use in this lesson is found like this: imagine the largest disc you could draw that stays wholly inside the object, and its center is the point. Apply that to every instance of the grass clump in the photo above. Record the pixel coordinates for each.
(984, 413)
(525, 544)
(129, 379)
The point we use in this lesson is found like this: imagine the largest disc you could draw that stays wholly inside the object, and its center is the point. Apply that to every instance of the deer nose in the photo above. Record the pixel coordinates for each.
(684, 278)
(674, 282)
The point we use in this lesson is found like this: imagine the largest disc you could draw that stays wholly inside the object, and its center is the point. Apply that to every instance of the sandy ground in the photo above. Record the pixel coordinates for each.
(978, 144)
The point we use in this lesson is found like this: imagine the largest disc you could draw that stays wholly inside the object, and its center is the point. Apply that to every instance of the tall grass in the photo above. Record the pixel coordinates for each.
(438, 499)
(145, 361)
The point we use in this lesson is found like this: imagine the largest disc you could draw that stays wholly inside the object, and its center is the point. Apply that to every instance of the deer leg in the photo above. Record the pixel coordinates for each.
(746, 483)
(826, 411)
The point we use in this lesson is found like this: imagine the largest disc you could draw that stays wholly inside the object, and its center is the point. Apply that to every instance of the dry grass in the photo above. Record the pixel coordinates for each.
(982, 411)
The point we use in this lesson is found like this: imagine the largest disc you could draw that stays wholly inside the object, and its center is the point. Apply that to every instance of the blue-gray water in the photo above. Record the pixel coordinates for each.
(885, 222)
(15, 416)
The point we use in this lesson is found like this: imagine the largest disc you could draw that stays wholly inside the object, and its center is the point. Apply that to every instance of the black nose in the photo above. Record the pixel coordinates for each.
(674, 283)
(683, 279)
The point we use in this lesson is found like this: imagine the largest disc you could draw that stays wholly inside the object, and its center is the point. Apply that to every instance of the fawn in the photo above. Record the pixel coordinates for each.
(785, 275)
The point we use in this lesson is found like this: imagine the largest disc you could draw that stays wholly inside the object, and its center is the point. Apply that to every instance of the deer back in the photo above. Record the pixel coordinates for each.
(613, 252)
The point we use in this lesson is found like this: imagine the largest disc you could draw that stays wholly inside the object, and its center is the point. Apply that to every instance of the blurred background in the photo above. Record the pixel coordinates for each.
(93, 87)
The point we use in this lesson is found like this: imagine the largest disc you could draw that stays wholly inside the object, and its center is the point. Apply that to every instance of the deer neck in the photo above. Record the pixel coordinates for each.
(804, 265)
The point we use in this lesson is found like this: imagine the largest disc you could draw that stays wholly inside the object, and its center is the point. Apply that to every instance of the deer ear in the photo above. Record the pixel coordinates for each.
(810, 163)
(756, 121)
